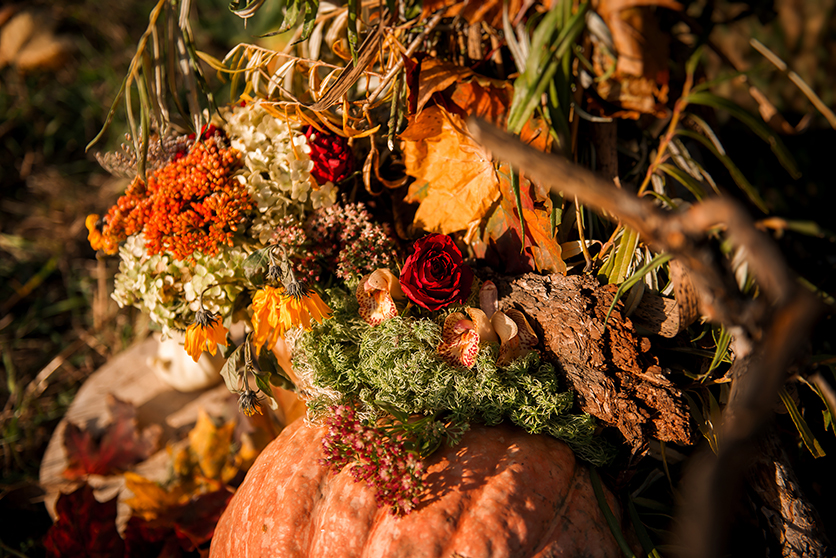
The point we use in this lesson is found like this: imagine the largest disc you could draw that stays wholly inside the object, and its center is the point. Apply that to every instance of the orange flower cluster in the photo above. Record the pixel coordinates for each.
(125, 218)
(192, 204)
(197, 203)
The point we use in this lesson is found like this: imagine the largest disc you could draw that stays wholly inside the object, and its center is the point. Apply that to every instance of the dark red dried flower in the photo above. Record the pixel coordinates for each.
(332, 157)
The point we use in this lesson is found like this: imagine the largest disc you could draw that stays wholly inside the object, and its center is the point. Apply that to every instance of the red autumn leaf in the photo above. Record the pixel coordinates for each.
(85, 527)
(115, 449)
(180, 529)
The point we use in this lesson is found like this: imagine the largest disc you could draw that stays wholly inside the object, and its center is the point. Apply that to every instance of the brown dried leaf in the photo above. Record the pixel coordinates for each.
(640, 81)
(473, 11)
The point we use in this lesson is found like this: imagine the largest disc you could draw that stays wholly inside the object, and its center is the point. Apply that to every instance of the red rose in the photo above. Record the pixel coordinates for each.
(332, 157)
(435, 275)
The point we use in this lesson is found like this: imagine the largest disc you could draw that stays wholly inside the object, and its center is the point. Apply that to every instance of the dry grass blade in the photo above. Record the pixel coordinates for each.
(796, 79)
(352, 72)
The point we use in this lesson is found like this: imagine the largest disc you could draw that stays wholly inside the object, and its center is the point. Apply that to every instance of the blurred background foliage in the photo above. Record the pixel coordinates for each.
(57, 322)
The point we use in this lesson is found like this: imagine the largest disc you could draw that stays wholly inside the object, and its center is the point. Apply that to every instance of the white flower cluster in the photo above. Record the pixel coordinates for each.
(277, 168)
(168, 290)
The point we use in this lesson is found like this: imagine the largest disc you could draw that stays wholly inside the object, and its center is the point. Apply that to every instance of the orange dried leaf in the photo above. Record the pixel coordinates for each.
(503, 229)
(150, 499)
(461, 89)
(210, 445)
(473, 11)
(456, 183)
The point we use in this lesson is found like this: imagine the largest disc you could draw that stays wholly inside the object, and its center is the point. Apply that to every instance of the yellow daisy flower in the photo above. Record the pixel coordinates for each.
(275, 312)
(205, 334)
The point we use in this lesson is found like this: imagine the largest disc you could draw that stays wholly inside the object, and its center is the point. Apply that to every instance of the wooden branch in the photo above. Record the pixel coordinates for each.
(768, 330)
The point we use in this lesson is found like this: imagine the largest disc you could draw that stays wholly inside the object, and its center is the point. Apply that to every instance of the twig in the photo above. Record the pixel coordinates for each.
(409, 52)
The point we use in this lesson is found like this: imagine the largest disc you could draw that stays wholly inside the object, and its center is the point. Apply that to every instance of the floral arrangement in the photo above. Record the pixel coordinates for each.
(242, 224)
(347, 213)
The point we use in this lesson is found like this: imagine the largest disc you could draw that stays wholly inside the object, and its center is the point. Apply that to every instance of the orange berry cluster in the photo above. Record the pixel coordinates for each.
(192, 204)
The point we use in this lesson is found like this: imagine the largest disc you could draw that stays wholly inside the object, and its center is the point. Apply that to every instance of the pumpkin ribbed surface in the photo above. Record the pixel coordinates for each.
(499, 493)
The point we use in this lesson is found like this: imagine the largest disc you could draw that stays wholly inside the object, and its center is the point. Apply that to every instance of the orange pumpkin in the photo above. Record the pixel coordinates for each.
(500, 492)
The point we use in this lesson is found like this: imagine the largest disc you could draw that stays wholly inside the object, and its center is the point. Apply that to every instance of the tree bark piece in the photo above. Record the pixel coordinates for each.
(617, 380)
(794, 522)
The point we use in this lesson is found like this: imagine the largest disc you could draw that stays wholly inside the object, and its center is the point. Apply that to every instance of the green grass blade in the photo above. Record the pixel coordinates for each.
(659, 260)
(691, 183)
(647, 545)
(608, 515)
(624, 255)
(803, 428)
(145, 123)
(720, 355)
(735, 172)
(351, 28)
(819, 385)
(543, 61)
(753, 123)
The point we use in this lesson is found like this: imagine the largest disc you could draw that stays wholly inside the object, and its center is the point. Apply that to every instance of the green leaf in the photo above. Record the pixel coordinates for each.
(753, 123)
(798, 419)
(311, 9)
(735, 172)
(263, 383)
(268, 363)
(291, 14)
(255, 265)
(231, 371)
(543, 61)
